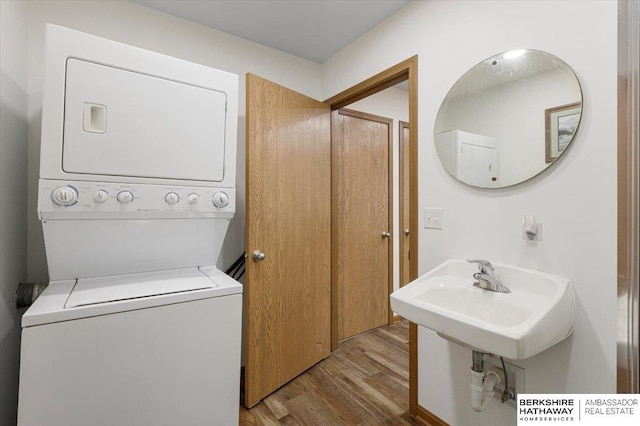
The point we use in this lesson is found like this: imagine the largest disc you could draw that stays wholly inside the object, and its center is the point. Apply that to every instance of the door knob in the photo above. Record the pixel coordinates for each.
(406, 232)
(258, 256)
(385, 234)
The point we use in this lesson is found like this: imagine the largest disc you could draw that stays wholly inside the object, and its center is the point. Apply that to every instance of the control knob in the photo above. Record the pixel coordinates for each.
(172, 198)
(124, 197)
(193, 198)
(220, 199)
(64, 196)
(101, 196)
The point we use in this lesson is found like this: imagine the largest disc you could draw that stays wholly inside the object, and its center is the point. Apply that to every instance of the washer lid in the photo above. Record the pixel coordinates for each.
(93, 291)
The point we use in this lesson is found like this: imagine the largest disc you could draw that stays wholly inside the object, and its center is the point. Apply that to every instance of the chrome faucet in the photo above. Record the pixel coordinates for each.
(486, 277)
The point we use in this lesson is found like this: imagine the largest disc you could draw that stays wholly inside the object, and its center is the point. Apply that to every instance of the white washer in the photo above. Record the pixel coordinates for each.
(136, 191)
(156, 348)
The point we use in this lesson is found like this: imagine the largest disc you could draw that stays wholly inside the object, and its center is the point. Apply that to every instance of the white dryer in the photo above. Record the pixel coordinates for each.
(136, 191)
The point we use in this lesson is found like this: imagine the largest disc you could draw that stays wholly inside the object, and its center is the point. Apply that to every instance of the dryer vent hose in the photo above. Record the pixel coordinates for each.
(236, 271)
(27, 293)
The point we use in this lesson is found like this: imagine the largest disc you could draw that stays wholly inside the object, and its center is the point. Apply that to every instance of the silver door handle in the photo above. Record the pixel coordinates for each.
(385, 234)
(258, 256)
(406, 232)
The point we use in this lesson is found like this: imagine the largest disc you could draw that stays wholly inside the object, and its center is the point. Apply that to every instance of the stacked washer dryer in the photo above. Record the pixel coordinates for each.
(137, 187)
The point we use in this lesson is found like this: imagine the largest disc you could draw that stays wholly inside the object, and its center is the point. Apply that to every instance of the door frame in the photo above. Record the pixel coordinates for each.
(628, 359)
(335, 314)
(405, 70)
(402, 190)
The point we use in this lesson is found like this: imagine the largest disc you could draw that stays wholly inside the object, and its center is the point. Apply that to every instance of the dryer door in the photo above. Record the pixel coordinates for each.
(123, 123)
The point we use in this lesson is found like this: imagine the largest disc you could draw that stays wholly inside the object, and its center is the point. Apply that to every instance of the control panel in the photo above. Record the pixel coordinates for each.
(60, 199)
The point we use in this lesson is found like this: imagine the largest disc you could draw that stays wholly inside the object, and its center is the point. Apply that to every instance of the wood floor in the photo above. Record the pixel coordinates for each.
(365, 382)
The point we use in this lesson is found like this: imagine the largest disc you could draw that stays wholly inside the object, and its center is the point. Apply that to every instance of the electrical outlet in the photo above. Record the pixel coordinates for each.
(515, 377)
(534, 226)
(434, 218)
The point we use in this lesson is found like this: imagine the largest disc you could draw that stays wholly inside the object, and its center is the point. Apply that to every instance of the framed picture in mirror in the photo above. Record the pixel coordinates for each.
(561, 123)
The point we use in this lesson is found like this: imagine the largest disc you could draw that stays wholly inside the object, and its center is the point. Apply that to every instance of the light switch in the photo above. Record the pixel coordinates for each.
(434, 218)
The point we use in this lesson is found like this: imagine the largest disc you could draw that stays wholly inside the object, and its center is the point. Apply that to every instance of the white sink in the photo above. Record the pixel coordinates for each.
(537, 314)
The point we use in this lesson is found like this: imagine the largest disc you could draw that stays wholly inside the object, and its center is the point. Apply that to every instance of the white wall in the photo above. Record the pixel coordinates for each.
(139, 26)
(390, 103)
(575, 199)
(13, 187)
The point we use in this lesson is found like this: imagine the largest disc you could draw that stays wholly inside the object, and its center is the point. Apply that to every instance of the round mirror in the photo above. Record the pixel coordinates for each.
(508, 118)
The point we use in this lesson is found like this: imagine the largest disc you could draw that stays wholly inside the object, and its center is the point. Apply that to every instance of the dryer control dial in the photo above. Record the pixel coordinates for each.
(220, 199)
(64, 196)
(172, 198)
(101, 196)
(193, 198)
(125, 197)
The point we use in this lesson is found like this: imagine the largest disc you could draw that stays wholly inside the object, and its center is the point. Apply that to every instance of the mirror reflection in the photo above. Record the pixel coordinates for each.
(508, 118)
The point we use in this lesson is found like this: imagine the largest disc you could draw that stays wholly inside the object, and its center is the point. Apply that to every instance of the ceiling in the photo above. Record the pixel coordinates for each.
(310, 29)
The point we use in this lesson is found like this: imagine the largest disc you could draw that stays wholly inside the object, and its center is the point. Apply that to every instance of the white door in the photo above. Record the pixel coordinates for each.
(477, 165)
(114, 118)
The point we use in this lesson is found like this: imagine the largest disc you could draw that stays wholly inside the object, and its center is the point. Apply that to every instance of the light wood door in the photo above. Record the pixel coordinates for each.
(405, 224)
(287, 295)
(361, 216)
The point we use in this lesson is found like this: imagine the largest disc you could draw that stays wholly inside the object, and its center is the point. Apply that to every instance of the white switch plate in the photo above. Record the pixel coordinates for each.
(434, 218)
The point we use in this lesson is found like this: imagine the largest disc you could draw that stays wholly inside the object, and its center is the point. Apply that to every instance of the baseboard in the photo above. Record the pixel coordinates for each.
(427, 418)
(396, 319)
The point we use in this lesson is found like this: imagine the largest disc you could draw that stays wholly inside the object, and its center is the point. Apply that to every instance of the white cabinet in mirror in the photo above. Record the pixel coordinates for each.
(508, 118)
